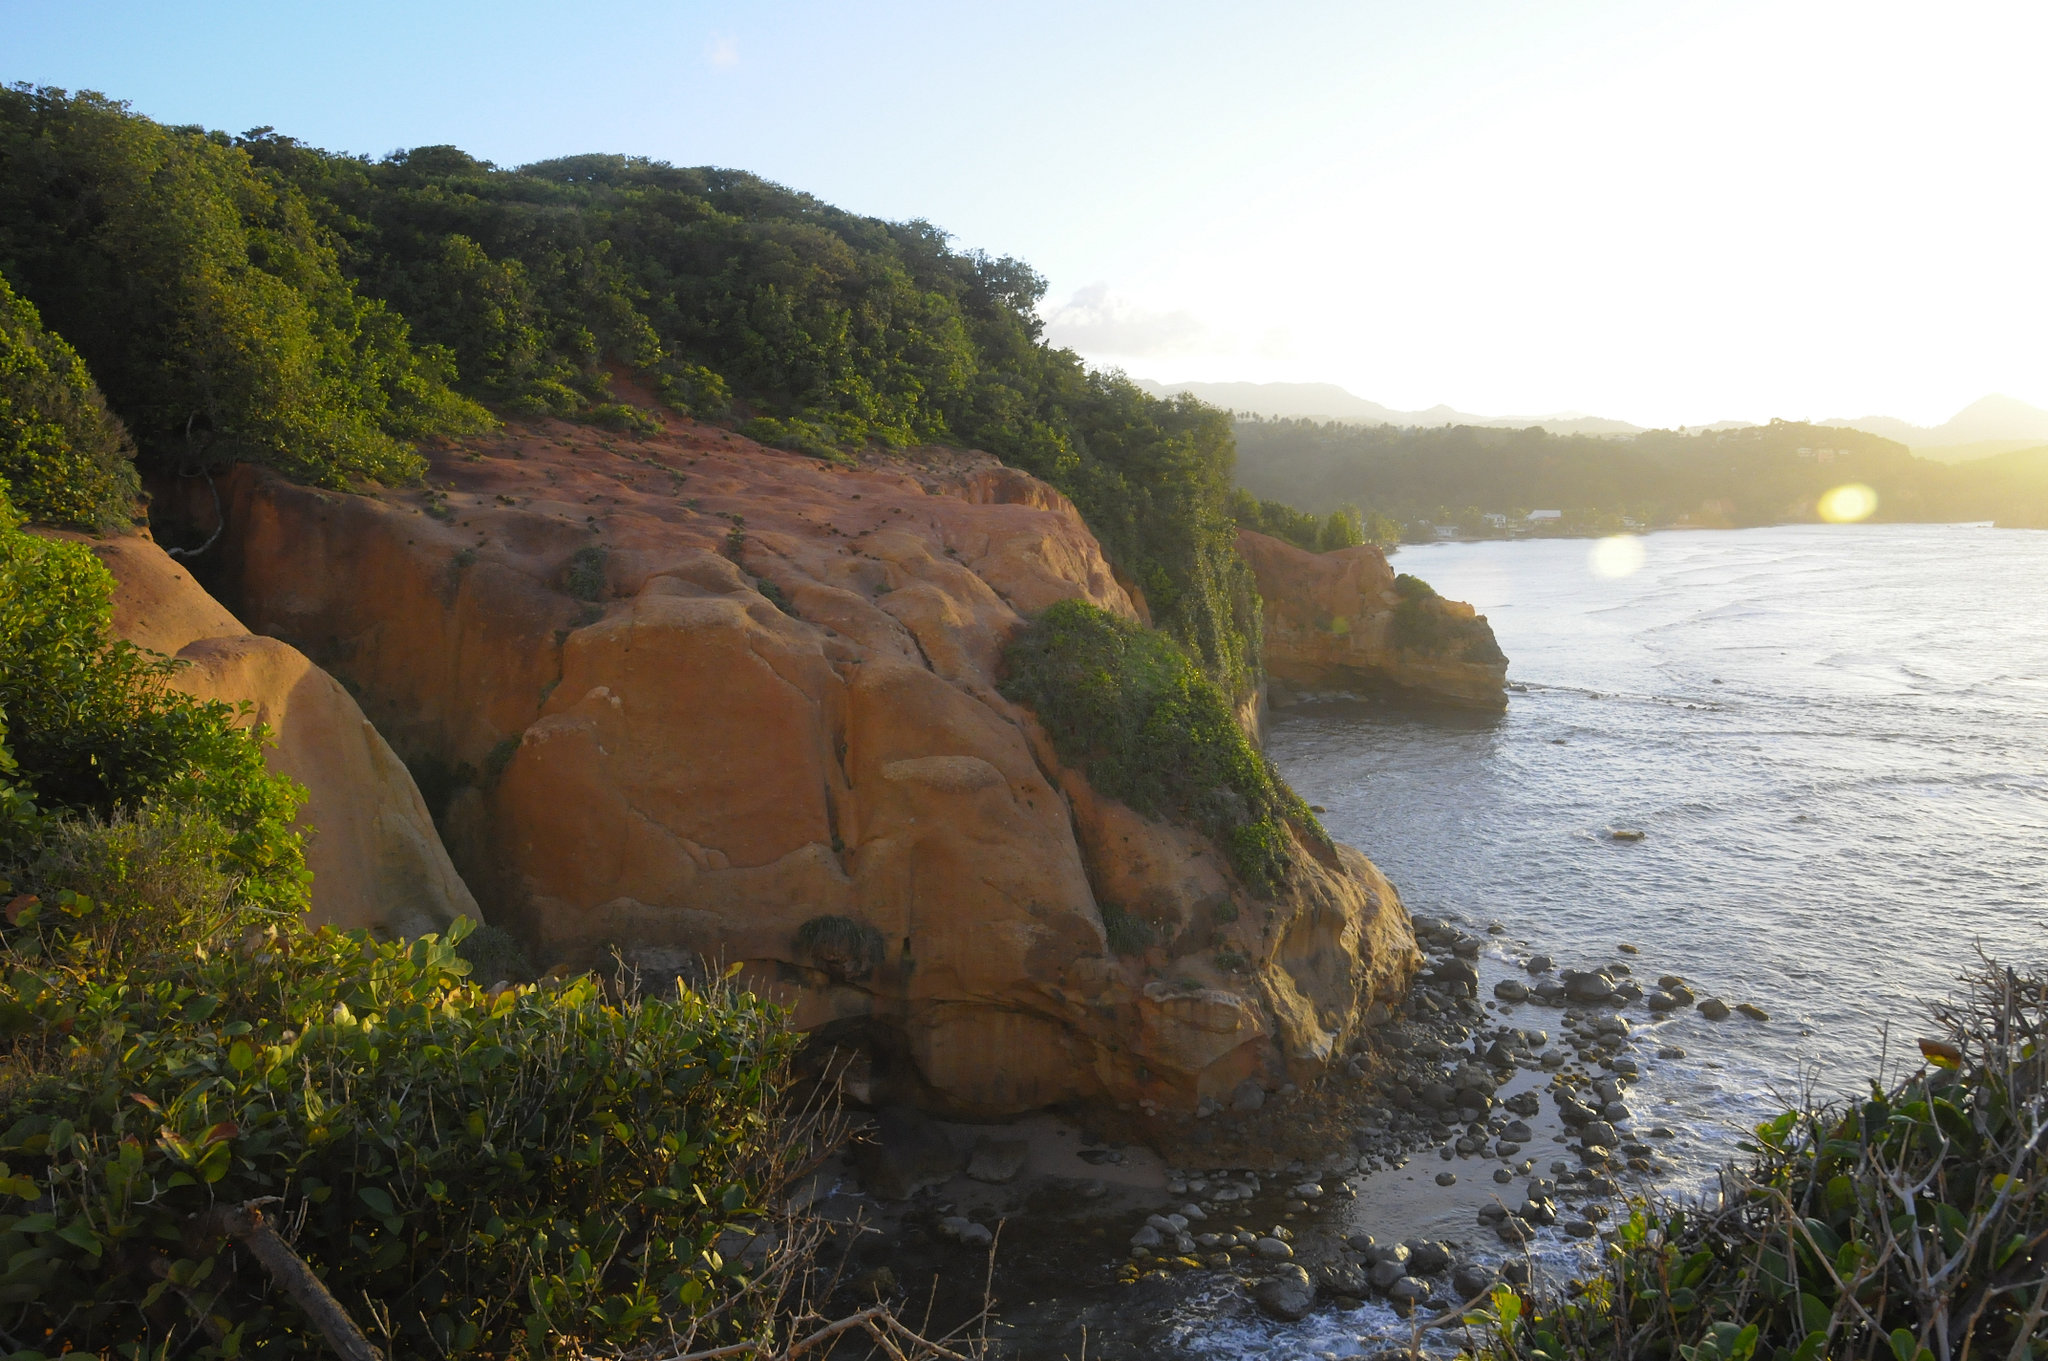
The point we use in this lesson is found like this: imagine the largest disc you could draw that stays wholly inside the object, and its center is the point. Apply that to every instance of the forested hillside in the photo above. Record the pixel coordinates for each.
(1753, 475)
(252, 297)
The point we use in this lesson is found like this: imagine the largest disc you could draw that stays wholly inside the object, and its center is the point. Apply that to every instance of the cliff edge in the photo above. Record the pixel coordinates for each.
(1344, 621)
(686, 697)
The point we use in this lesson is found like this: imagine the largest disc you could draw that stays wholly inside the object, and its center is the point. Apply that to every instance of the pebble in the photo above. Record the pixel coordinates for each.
(1272, 1250)
(1670, 1051)
(1753, 1011)
(1447, 1178)
(1538, 964)
(1713, 1008)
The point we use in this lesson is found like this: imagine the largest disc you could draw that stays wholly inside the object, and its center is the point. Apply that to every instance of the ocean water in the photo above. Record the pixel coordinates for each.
(1835, 741)
(1834, 738)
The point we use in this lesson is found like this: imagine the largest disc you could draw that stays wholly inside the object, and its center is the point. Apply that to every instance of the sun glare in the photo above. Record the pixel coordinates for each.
(1617, 557)
(1847, 504)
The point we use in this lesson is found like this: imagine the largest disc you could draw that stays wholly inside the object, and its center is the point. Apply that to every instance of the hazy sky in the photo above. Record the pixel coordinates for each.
(1665, 212)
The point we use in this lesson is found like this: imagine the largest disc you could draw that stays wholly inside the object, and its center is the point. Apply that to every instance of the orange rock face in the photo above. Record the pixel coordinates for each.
(1331, 625)
(688, 698)
(375, 857)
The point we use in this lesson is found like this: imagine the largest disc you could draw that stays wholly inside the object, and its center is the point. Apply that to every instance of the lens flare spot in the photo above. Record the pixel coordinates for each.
(1847, 504)
(1616, 557)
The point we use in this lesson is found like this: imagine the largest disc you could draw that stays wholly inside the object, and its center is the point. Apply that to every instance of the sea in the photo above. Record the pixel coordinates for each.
(1834, 741)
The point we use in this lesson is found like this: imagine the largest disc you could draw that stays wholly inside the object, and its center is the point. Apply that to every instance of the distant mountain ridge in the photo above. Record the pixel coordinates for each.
(1328, 402)
(1991, 425)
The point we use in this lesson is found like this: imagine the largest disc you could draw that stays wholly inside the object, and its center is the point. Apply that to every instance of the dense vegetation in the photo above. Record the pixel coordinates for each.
(1912, 1226)
(207, 299)
(256, 298)
(1343, 527)
(1132, 709)
(518, 1171)
(1725, 478)
(69, 461)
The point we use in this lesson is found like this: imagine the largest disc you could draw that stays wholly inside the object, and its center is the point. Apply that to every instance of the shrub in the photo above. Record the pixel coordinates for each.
(1913, 1224)
(797, 435)
(1423, 624)
(63, 456)
(584, 577)
(1130, 707)
(525, 1171)
(622, 417)
(95, 727)
(1126, 934)
(694, 390)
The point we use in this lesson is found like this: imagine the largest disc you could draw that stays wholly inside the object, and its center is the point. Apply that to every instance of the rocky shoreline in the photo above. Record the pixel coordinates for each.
(1485, 1132)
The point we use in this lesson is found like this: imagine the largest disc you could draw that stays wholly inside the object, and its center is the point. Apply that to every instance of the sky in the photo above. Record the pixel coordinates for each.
(1660, 211)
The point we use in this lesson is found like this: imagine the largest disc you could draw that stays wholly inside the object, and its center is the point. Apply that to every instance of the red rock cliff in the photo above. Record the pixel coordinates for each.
(1334, 622)
(700, 698)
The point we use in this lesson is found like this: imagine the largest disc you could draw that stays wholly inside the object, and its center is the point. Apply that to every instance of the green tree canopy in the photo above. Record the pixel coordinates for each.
(207, 298)
(67, 459)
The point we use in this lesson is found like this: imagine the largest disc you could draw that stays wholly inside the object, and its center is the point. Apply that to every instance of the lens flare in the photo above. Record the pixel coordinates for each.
(1847, 504)
(1616, 557)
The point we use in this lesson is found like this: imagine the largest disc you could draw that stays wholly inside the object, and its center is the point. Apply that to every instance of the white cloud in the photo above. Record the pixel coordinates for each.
(724, 52)
(1096, 321)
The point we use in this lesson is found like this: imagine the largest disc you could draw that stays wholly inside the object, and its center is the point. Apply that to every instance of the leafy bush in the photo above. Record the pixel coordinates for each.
(1912, 1225)
(622, 417)
(1343, 527)
(208, 301)
(800, 436)
(1130, 707)
(95, 727)
(516, 1172)
(63, 456)
(1423, 624)
(693, 390)
(584, 577)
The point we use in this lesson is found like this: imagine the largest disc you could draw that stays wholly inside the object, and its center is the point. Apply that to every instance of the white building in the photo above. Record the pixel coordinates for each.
(1535, 516)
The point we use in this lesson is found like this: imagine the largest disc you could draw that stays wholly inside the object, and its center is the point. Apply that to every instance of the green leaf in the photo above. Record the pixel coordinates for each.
(79, 1235)
(1814, 1316)
(1904, 1346)
(378, 1199)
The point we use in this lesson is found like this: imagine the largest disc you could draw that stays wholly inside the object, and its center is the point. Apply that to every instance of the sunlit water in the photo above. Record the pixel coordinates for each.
(1835, 738)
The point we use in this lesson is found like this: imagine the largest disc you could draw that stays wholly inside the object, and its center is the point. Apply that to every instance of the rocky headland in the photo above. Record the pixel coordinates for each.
(682, 697)
(1343, 621)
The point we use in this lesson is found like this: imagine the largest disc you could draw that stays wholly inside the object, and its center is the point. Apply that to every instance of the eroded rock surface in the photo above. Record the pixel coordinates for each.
(1334, 621)
(688, 697)
(376, 859)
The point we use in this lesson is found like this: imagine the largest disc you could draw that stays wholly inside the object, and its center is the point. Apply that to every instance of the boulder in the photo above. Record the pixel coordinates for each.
(687, 698)
(1330, 625)
(376, 858)
(1713, 1008)
(1287, 1294)
(1509, 990)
